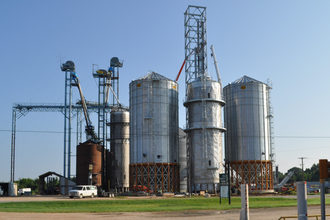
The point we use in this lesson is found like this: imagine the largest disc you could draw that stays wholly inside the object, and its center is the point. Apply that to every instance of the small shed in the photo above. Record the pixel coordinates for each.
(65, 184)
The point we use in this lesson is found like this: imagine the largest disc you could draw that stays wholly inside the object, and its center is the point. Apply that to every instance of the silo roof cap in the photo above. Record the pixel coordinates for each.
(154, 76)
(246, 79)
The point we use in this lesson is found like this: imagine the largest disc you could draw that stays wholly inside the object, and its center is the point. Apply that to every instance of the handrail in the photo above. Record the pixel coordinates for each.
(317, 217)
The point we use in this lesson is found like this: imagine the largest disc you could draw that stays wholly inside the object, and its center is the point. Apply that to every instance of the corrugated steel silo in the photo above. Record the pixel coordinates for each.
(204, 133)
(248, 137)
(154, 133)
(119, 142)
(89, 153)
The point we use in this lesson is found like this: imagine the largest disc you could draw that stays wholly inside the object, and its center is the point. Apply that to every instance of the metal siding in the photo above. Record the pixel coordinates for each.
(247, 121)
(154, 121)
(120, 148)
(183, 160)
(205, 132)
(89, 153)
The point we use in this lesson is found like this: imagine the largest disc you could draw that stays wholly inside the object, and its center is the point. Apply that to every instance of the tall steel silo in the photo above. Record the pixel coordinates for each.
(248, 137)
(154, 133)
(204, 131)
(119, 142)
(183, 161)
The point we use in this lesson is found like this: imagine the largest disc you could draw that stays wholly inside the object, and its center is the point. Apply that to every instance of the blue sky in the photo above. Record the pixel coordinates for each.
(287, 42)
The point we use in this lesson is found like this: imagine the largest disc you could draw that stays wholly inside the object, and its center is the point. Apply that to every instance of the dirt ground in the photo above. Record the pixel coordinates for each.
(255, 214)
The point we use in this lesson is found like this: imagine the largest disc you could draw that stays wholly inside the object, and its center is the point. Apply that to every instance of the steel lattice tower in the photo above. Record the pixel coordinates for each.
(107, 80)
(103, 77)
(103, 84)
(195, 42)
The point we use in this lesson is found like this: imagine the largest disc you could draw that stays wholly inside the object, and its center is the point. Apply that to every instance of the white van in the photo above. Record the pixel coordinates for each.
(83, 191)
(25, 192)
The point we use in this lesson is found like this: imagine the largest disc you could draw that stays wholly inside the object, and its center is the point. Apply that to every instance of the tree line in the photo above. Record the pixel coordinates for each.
(311, 174)
(51, 186)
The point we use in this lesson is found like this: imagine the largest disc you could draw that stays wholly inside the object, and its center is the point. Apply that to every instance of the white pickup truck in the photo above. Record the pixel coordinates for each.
(83, 191)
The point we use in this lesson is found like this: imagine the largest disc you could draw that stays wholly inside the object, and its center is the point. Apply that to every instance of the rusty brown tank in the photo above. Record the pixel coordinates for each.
(89, 153)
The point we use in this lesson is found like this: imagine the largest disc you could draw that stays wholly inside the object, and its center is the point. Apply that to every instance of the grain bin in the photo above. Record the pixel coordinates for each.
(154, 133)
(248, 137)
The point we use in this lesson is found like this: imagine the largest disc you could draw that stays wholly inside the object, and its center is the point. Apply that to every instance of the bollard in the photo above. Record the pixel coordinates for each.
(245, 214)
(322, 195)
(324, 166)
(302, 200)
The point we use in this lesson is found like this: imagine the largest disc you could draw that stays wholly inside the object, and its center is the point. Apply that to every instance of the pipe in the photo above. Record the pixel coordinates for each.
(216, 65)
(184, 62)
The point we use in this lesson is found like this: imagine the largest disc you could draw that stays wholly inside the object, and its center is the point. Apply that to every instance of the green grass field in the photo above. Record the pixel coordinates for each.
(146, 205)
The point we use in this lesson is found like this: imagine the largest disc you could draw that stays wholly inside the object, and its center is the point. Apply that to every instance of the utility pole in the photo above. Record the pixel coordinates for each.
(302, 165)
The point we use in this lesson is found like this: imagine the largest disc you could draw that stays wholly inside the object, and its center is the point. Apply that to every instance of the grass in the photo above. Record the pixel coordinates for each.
(146, 205)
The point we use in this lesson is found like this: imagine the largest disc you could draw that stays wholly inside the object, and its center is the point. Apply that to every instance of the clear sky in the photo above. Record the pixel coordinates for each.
(287, 42)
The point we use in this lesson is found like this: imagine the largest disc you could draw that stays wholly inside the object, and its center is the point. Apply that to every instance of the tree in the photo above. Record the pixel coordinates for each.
(310, 174)
(313, 173)
(28, 183)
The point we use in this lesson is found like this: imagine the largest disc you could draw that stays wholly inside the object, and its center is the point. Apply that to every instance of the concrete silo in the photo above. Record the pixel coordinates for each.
(154, 133)
(248, 142)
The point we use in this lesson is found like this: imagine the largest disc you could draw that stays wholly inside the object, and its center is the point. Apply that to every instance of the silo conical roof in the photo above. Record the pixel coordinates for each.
(246, 79)
(154, 76)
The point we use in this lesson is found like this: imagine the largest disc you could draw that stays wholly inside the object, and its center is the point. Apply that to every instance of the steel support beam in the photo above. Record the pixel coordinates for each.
(20, 110)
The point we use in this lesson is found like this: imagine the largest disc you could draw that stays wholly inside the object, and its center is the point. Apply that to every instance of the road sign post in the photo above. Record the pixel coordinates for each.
(223, 187)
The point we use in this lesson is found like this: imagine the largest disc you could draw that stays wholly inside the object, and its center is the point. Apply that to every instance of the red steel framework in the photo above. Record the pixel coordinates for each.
(155, 176)
(258, 174)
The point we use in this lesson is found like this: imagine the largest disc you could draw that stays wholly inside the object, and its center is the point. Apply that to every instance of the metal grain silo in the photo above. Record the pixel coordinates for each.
(89, 157)
(154, 133)
(119, 142)
(204, 131)
(183, 161)
(248, 137)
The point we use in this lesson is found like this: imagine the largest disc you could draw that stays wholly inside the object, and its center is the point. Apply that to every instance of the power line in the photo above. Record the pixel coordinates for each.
(282, 136)
(279, 136)
(33, 131)
(306, 137)
(286, 136)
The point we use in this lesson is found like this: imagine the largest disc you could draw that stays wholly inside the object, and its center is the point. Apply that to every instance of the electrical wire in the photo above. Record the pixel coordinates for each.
(33, 131)
(277, 136)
